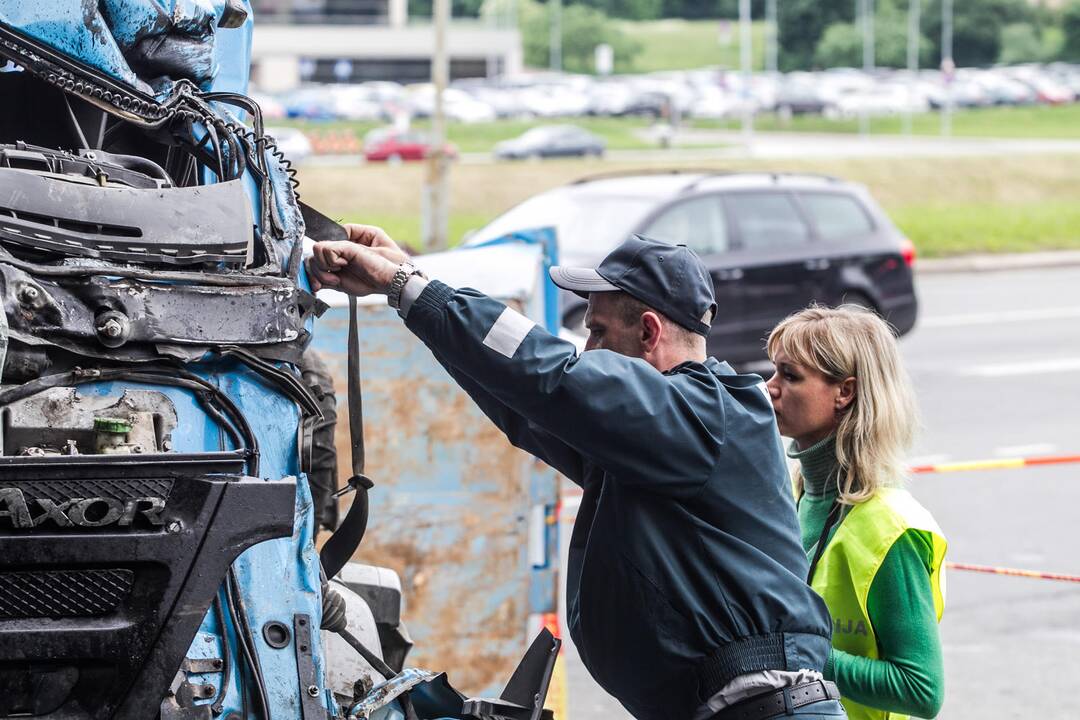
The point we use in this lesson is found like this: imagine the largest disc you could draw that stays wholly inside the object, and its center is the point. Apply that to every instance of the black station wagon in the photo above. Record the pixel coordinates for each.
(773, 242)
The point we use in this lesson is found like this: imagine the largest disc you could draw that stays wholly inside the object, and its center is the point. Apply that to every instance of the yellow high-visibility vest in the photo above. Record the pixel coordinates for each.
(850, 562)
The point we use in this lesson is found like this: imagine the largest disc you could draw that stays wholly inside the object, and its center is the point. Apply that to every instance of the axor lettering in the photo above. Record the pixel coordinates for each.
(18, 512)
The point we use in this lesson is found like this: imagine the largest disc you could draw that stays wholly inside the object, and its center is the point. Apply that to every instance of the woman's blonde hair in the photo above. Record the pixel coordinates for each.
(878, 427)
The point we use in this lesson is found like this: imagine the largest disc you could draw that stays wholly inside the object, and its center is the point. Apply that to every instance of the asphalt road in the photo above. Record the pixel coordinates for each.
(995, 360)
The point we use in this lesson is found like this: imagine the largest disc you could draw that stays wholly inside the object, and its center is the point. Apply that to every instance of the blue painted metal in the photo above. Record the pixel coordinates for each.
(230, 44)
(453, 513)
(278, 578)
(102, 34)
(453, 499)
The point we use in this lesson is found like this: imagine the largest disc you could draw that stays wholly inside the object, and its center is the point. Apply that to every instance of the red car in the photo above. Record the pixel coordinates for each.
(387, 144)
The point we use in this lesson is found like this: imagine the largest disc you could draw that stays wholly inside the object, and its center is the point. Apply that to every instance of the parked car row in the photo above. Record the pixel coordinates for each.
(708, 93)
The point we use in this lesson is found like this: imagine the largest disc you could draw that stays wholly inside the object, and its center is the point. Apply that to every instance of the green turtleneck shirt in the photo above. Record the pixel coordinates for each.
(909, 675)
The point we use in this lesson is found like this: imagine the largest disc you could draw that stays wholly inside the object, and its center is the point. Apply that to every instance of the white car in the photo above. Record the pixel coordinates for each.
(355, 102)
(715, 104)
(457, 104)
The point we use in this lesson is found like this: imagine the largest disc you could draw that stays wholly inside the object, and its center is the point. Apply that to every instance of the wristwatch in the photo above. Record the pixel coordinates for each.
(405, 271)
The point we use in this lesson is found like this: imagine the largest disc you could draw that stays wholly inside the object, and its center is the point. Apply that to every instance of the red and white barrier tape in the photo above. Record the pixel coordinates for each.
(995, 464)
(1038, 575)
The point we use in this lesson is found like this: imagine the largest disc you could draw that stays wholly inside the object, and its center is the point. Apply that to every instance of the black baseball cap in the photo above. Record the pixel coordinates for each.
(670, 279)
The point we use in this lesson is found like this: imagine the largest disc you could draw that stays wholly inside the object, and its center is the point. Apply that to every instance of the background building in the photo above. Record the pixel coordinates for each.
(360, 40)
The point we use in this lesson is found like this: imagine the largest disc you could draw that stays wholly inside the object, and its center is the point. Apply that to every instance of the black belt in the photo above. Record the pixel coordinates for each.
(779, 702)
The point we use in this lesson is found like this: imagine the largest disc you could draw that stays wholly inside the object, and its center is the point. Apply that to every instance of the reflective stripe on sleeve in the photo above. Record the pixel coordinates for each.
(508, 332)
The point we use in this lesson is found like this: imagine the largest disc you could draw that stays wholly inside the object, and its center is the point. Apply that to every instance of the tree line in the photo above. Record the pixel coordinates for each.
(812, 33)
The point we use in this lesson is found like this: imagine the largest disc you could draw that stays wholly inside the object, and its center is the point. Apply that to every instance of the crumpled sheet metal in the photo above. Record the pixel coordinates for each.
(385, 692)
(3, 342)
(146, 44)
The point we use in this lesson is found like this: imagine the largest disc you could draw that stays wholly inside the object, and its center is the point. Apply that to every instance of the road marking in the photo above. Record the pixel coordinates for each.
(993, 318)
(1025, 450)
(1028, 367)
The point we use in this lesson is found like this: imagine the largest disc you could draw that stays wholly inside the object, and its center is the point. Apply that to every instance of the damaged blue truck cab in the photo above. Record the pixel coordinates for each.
(157, 429)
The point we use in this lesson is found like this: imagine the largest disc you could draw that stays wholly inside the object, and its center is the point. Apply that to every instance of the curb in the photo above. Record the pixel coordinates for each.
(995, 263)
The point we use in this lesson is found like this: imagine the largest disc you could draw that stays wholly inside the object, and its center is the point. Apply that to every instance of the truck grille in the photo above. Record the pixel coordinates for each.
(119, 489)
(62, 593)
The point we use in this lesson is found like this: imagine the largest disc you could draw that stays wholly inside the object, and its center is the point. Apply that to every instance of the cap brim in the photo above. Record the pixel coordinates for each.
(580, 280)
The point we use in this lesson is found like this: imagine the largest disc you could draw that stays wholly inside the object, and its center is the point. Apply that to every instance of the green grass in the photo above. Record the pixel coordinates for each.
(1036, 121)
(946, 230)
(687, 44)
(947, 206)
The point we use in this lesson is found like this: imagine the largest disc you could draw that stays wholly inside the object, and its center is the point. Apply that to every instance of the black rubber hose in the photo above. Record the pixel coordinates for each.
(247, 642)
(333, 607)
(222, 422)
(283, 380)
(226, 403)
(226, 659)
(235, 414)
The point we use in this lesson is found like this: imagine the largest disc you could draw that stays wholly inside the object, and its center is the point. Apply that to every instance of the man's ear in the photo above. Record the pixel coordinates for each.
(652, 327)
(846, 394)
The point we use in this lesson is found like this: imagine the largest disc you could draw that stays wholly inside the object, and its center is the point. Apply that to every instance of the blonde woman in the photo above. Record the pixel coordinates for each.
(841, 394)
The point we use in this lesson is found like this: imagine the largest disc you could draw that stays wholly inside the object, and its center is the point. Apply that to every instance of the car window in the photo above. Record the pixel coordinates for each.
(698, 223)
(767, 221)
(589, 225)
(836, 216)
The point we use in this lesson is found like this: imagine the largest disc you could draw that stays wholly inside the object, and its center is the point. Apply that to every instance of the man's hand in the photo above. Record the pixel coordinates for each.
(363, 265)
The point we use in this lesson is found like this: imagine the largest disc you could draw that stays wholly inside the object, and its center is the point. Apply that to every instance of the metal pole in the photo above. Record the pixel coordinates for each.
(556, 35)
(914, 7)
(436, 186)
(866, 8)
(772, 31)
(744, 61)
(948, 67)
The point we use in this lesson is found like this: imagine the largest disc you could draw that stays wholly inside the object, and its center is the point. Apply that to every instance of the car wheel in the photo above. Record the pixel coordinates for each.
(859, 300)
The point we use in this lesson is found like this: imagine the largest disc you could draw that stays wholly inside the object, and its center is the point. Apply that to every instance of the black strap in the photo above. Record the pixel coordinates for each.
(356, 401)
(343, 543)
(823, 539)
(780, 703)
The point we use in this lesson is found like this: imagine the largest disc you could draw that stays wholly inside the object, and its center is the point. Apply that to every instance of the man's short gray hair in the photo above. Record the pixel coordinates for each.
(630, 310)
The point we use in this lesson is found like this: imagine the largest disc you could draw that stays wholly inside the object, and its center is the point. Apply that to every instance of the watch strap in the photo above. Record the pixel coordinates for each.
(397, 283)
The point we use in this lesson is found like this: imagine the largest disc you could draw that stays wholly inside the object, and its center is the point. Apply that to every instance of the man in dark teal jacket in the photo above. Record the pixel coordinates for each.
(686, 593)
